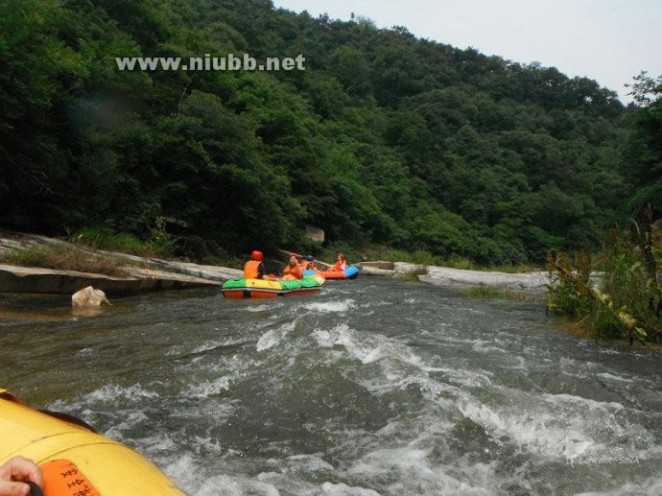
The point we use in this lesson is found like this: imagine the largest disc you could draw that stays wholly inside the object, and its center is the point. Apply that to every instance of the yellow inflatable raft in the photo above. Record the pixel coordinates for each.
(73, 459)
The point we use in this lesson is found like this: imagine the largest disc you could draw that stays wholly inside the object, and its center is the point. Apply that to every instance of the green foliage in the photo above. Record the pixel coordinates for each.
(570, 288)
(384, 138)
(103, 238)
(492, 292)
(160, 243)
(642, 161)
(627, 302)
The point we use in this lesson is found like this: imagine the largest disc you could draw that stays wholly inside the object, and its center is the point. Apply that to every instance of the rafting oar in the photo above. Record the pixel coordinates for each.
(35, 490)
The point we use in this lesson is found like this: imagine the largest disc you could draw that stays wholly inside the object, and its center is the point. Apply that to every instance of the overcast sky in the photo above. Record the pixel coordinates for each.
(609, 41)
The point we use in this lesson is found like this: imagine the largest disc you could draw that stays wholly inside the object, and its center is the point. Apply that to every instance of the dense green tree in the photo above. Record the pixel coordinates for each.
(643, 153)
(384, 138)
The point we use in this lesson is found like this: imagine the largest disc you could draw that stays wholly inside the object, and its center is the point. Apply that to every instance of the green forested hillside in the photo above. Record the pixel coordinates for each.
(384, 138)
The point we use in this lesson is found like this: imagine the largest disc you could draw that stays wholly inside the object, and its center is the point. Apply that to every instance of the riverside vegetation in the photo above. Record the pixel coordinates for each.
(386, 141)
(627, 302)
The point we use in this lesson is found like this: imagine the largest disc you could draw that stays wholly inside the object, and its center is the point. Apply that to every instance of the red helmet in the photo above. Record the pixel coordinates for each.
(257, 255)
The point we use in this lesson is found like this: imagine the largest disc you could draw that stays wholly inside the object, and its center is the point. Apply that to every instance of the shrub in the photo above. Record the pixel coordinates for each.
(628, 301)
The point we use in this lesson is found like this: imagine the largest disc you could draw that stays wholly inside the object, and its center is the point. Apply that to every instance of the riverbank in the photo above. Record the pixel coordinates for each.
(529, 283)
(149, 274)
(133, 274)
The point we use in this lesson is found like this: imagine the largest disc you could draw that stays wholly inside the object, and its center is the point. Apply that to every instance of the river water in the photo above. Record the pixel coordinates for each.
(372, 387)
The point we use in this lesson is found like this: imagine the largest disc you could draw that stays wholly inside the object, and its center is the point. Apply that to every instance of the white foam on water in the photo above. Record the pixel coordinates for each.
(226, 485)
(375, 304)
(212, 345)
(265, 306)
(537, 432)
(185, 471)
(291, 486)
(286, 482)
(392, 364)
(583, 403)
(210, 388)
(615, 378)
(308, 464)
(553, 427)
(648, 487)
(274, 337)
(130, 420)
(468, 378)
(367, 348)
(331, 306)
(208, 445)
(485, 346)
(409, 471)
(565, 427)
(110, 392)
(155, 444)
(345, 490)
(328, 339)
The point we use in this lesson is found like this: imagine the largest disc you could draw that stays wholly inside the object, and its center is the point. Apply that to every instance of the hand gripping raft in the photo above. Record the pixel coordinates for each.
(74, 460)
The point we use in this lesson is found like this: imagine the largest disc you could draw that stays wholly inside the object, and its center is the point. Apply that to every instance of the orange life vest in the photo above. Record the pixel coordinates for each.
(252, 269)
(294, 270)
(338, 266)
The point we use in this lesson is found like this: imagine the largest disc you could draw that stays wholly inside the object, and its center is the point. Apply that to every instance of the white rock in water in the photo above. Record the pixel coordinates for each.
(89, 297)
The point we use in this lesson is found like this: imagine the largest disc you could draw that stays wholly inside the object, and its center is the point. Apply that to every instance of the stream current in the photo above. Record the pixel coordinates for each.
(371, 387)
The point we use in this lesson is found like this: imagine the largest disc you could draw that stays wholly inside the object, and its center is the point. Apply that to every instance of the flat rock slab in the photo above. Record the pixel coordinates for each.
(143, 274)
(528, 282)
(533, 282)
(16, 279)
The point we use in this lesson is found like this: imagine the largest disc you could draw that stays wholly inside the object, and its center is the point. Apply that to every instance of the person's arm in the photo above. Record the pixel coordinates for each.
(15, 474)
(260, 271)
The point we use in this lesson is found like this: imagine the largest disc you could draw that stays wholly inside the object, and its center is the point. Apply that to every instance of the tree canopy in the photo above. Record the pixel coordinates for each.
(383, 138)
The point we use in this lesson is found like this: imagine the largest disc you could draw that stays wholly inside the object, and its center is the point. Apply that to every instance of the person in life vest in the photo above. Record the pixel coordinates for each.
(341, 263)
(293, 270)
(254, 268)
(309, 263)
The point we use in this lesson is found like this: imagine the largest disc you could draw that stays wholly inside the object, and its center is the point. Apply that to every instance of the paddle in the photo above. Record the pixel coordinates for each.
(35, 490)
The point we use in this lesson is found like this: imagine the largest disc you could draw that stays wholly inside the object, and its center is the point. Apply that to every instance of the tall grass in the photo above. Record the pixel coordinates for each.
(627, 302)
(160, 243)
(61, 257)
(493, 292)
(75, 257)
